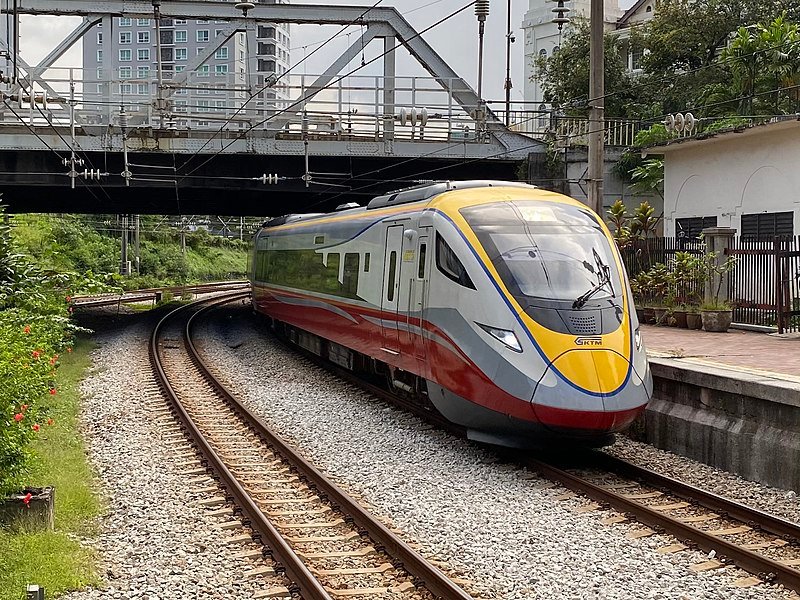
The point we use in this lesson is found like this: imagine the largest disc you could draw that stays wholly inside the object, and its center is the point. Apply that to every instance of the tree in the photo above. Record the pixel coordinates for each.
(565, 75)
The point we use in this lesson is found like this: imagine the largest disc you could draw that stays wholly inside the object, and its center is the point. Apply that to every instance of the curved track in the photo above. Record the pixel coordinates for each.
(328, 545)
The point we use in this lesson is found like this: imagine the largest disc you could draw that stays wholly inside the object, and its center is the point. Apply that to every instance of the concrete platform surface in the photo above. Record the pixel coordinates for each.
(769, 356)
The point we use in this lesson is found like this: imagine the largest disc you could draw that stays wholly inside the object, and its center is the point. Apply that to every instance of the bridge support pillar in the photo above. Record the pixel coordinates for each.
(389, 73)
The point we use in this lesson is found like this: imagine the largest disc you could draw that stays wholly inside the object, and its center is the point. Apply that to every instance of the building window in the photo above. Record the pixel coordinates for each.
(765, 226)
(143, 22)
(168, 37)
(689, 229)
(217, 32)
(181, 53)
(101, 73)
(125, 55)
(204, 91)
(221, 53)
(143, 73)
(221, 69)
(126, 88)
(202, 21)
(143, 37)
(267, 66)
(125, 37)
(203, 71)
(202, 35)
(543, 116)
(144, 89)
(180, 106)
(124, 22)
(99, 38)
(266, 32)
(203, 105)
(125, 72)
(200, 51)
(181, 37)
(221, 105)
(543, 52)
(180, 21)
(143, 53)
(99, 56)
(268, 49)
(167, 54)
(179, 68)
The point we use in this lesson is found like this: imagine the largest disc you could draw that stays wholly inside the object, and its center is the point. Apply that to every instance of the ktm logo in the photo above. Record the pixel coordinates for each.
(589, 341)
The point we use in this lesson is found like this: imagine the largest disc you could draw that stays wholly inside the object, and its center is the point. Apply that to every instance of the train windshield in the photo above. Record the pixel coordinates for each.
(546, 253)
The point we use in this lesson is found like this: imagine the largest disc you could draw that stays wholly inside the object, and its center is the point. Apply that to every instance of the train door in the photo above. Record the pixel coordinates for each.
(418, 290)
(391, 288)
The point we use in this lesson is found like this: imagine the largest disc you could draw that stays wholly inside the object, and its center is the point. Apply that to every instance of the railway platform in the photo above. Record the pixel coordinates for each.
(758, 354)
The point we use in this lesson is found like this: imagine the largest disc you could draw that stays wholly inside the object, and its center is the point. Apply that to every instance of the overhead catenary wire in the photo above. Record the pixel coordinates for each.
(302, 100)
(271, 81)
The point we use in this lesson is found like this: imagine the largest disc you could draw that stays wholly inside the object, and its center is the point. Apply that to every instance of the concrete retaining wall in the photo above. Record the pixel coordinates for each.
(743, 423)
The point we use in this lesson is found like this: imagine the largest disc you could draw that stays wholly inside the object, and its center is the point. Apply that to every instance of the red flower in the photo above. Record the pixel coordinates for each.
(35, 427)
(24, 407)
(36, 354)
(53, 360)
(26, 500)
(18, 417)
(27, 329)
(69, 298)
(69, 350)
(50, 422)
(52, 391)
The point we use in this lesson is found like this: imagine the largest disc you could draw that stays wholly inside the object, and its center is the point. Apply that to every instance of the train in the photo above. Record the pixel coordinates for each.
(503, 307)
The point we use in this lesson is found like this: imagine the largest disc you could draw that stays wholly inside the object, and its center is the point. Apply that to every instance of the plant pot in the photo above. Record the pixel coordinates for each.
(717, 320)
(649, 316)
(694, 321)
(680, 318)
(660, 315)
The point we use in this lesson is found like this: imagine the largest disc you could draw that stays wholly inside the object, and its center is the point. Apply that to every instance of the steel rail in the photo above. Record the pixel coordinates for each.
(301, 576)
(740, 512)
(434, 580)
(761, 566)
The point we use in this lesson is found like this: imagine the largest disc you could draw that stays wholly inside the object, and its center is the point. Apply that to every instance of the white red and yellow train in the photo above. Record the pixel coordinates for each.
(505, 307)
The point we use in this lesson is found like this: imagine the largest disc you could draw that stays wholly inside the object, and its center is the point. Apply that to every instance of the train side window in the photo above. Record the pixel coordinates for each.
(320, 239)
(392, 273)
(331, 282)
(366, 263)
(449, 264)
(423, 251)
(350, 279)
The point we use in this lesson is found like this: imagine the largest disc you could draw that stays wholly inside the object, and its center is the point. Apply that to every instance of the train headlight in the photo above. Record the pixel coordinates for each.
(637, 338)
(509, 338)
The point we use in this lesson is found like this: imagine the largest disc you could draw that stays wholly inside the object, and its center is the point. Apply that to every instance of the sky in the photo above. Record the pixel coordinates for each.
(456, 41)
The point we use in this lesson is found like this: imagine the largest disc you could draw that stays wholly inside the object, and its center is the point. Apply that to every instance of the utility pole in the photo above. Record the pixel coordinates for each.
(123, 267)
(482, 12)
(509, 40)
(596, 107)
(137, 232)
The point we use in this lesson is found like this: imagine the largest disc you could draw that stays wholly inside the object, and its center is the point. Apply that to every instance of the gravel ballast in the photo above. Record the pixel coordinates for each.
(503, 528)
(155, 542)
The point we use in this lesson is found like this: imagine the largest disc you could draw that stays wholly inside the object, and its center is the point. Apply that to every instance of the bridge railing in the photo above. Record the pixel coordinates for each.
(351, 108)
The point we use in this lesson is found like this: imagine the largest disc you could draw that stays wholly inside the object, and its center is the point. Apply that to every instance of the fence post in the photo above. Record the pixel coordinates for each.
(718, 239)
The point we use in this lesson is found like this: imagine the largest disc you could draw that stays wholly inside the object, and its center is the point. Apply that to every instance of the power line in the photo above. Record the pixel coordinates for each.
(334, 82)
(272, 81)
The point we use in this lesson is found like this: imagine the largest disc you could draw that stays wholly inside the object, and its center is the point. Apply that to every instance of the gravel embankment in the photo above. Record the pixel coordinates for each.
(502, 528)
(155, 542)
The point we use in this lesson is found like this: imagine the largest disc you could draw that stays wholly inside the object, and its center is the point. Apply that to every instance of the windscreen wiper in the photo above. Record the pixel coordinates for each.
(605, 279)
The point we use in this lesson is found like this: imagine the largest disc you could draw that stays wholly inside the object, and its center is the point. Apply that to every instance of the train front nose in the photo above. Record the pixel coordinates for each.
(588, 392)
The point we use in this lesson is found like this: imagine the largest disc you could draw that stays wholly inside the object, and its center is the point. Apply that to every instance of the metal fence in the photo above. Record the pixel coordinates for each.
(763, 286)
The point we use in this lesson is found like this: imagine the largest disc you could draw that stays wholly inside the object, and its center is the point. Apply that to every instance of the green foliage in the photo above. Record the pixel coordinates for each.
(726, 123)
(632, 159)
(565, 74)
(618, 217)
(56, 559)
(649, 176)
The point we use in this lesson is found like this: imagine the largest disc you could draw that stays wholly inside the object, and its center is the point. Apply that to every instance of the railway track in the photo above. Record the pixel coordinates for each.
(327, 545)
(764, 545)
(732, 533)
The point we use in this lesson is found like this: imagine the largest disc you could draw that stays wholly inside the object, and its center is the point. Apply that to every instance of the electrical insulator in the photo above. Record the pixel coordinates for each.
(481, 9)
(123, 119)
(561, 17)
(91, 174)
(271, 179)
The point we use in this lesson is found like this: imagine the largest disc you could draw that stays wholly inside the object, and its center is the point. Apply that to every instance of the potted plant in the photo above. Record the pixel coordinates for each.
(661, 283)
(685, 276)
(694, 319)
(716, 313)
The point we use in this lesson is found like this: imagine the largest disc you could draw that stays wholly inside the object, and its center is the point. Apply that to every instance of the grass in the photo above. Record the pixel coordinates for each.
(55, 559)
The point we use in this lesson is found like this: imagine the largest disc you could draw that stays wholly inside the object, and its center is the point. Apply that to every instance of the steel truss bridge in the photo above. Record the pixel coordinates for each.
(94, 141)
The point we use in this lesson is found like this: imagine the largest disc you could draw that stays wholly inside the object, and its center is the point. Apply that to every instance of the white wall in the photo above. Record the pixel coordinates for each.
(734, 174)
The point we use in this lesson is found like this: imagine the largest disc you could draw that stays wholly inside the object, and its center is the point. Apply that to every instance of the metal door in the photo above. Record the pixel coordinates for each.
(417, 296)
(391, 288)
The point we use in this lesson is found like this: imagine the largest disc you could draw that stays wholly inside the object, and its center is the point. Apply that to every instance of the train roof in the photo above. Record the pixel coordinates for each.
(417, 193)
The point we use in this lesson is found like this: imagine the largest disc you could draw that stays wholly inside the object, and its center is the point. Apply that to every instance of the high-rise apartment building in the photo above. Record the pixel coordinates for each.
(206, 81)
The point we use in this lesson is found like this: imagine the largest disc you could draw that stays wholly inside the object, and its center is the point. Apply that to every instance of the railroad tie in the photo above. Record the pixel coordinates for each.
(260, 571)
(333, 538)
(276, 592)
(730, 531)
(746, 582)
(366, 551)
(671, 549)
(640, 533)
(365, 571)
(670, 507)
(699, 518)
(295, 513)
(313, 525)
(400, 589)
(644, 496)
(705, 566)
